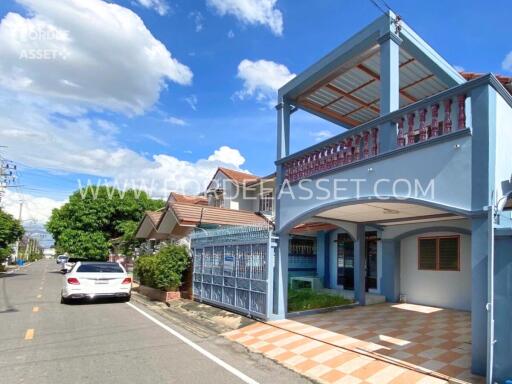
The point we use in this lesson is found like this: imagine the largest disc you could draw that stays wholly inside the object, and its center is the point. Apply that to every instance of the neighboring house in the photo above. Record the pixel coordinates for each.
(413, 183)
(232, 198)
(241, 191)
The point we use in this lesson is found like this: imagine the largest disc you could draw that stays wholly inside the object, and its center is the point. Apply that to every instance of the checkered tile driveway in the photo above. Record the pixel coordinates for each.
(378, 344)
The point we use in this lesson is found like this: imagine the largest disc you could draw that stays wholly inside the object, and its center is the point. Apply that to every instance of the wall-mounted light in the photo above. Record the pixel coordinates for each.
(456, 146)
(505, 203)
(370, 169)
(502, 205)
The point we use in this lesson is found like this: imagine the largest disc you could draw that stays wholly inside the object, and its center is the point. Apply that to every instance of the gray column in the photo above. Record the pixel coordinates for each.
(281, 277)
(389, 87)
(389, 73)
(479, 259)
(360, 265)
(283, 129)
(390, 279)
(321, 267)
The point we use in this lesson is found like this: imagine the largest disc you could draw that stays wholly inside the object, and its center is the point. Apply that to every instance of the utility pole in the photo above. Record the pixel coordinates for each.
(17, 247)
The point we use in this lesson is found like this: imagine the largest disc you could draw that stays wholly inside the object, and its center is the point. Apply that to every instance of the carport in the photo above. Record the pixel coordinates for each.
(382, 343)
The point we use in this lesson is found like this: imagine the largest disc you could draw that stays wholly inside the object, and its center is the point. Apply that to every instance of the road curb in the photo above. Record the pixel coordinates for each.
(189, 324)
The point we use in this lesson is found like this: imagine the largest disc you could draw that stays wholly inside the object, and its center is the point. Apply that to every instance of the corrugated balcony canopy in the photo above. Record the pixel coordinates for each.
(345, 86)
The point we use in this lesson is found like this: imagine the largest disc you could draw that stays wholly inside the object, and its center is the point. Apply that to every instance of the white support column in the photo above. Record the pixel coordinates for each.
(283, 129)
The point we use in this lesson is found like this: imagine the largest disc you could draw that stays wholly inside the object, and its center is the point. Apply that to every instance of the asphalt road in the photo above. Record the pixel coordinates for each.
(43, 341)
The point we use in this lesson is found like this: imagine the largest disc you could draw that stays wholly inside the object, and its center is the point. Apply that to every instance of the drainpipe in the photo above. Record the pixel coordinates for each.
(490, 292)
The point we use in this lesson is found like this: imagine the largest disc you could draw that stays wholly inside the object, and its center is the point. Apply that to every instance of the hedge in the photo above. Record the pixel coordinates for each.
(163, 270)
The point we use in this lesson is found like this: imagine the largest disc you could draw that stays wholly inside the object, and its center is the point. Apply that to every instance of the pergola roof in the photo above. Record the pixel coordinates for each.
(345, 86)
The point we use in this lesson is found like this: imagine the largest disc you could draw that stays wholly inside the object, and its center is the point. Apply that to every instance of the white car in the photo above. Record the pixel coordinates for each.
(90, 279)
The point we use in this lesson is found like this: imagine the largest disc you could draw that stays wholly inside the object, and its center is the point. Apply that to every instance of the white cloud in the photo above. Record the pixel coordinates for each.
(88, 53)
(321, 135)
(198, 19)
(227, 155)
(113, 62)
(35, 209)
(507, 62)
(160, 6)
(155, 139)
(43, 140)
(262, 79)
(231, 34)
(261, 12)
(192, 101)
(175, 121)
(458, 68)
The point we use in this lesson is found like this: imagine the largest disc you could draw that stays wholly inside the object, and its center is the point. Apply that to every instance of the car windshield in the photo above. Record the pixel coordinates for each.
(100, 267)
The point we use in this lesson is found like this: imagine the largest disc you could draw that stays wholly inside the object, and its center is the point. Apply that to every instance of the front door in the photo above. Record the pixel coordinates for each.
(345, 247)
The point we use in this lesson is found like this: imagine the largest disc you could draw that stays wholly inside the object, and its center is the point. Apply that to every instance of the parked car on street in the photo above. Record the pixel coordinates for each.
(93, 279)
(61, 259)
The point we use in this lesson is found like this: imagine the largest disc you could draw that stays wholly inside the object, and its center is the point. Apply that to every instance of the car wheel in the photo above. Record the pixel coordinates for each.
(63, 300)
(126, 299)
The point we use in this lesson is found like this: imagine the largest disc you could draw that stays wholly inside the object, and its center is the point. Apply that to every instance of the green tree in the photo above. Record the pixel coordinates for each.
(11, 230)
(85, 225)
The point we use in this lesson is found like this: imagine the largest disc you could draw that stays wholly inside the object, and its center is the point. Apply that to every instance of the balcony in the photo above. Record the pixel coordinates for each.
(418, 124)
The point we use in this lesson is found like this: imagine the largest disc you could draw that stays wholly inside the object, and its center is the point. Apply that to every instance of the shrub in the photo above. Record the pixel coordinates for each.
(164, 270)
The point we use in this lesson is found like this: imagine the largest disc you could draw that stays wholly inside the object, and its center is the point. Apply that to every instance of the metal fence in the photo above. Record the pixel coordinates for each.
(233, 268)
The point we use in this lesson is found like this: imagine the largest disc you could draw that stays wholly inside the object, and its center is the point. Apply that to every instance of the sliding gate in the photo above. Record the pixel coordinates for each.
(233, 269)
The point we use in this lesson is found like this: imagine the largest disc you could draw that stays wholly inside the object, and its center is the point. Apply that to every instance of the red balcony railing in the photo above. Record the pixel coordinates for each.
(431, 118)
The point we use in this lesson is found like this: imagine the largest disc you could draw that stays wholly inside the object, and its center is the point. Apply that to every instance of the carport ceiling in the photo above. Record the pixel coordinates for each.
(351, 94)
(386, 213)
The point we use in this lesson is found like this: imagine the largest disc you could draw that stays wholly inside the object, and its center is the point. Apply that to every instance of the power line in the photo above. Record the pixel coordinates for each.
(379, 7)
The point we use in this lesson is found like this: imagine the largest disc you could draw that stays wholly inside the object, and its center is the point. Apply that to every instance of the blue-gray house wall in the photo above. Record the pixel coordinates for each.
(502, 366)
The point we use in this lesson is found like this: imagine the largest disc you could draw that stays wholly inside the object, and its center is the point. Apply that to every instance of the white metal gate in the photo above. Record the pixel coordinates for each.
(233, 268)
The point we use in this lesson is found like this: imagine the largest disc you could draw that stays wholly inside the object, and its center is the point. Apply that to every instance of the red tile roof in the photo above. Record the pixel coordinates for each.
(237, 176)
(189, 214)
(505, 80)
(312, 227)
(179, 198)
(154, 216)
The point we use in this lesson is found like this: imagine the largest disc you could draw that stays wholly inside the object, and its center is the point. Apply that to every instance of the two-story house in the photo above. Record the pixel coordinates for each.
(409, 200)
(232, 198)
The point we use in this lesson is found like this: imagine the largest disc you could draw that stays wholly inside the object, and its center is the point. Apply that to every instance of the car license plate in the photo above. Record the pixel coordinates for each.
(101, 282)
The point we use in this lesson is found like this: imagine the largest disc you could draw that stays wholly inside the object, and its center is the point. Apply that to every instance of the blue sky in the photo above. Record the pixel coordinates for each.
(200, 108)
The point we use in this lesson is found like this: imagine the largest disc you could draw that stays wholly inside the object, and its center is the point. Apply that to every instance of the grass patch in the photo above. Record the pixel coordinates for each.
(304, 299)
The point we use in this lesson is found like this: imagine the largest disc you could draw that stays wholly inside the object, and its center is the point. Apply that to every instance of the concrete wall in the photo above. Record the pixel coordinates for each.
(503, 170)
(503, 309)
(447, 289)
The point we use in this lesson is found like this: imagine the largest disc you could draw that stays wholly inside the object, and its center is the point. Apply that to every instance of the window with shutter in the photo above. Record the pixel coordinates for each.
(427, 253)
(449, 254)
(439, 253)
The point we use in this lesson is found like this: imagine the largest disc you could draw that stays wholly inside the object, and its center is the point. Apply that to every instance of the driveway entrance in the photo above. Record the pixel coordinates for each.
(382, 343)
